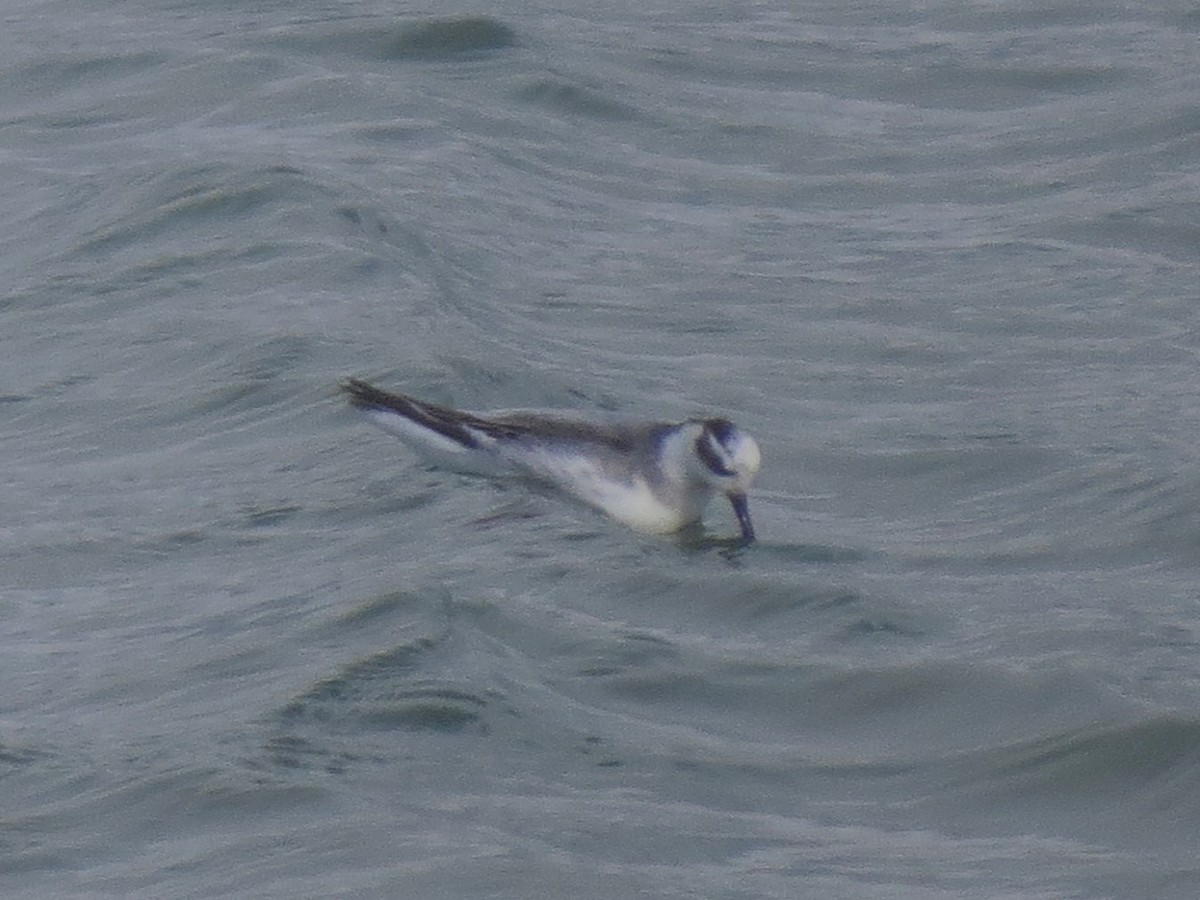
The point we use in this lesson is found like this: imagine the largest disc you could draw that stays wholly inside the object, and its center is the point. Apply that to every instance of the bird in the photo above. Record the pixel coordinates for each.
(654, 477)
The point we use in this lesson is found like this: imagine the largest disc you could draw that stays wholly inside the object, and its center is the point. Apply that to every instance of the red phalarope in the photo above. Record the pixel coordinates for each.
(653, 477)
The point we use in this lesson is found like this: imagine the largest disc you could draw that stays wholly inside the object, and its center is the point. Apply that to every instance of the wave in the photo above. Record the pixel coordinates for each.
(430, 39)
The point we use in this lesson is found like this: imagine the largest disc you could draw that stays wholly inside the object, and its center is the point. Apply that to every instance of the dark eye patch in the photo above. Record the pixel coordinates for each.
(721, 429)
(709, 456)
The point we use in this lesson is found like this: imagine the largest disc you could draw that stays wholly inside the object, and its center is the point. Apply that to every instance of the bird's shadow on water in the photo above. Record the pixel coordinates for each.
(694, 540)
(738, 552)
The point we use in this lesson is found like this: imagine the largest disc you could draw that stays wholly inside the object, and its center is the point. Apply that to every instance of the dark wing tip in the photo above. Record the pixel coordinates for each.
(366, 396)
(449, 423)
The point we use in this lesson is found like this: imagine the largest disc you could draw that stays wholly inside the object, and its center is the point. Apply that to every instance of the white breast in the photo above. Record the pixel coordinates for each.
(630, 500)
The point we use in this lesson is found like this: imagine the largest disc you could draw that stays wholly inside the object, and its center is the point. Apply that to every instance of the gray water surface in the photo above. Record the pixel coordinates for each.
(942, 261)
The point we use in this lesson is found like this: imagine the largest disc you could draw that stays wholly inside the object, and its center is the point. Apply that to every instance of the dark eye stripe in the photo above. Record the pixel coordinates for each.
(721, 429)
(709, 456)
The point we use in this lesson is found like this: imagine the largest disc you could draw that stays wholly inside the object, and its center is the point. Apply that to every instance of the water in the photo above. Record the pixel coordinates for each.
(940, 259)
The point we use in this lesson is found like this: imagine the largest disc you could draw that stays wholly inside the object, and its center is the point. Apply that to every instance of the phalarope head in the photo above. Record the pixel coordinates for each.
(729, 460)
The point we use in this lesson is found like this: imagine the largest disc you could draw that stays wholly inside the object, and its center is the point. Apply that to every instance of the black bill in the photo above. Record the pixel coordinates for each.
(741, 508)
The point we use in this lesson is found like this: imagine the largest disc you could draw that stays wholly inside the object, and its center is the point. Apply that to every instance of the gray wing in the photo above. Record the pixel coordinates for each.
(521, 427)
